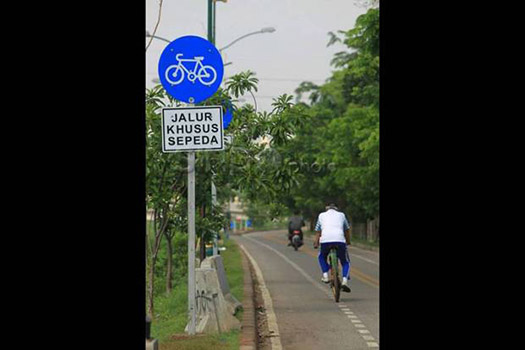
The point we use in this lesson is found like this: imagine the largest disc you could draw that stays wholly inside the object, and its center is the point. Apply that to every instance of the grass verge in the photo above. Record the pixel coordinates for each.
(171, 311)
(224, 341)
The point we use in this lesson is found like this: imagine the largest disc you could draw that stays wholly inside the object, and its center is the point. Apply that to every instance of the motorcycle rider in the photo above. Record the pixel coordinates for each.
(295, 222)
(332, 228)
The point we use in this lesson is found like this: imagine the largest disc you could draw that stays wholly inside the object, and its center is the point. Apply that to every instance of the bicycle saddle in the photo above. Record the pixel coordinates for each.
(200, 58)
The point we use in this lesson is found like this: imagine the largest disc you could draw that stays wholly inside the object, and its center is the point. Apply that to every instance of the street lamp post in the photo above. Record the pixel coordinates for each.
(211, 36)
(263, 30)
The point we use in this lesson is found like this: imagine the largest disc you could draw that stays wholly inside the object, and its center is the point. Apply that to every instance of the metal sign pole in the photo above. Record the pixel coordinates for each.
(191, 242)
(175, 139)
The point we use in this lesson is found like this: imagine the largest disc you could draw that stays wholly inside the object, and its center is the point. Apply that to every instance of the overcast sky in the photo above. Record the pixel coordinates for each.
(295, 52)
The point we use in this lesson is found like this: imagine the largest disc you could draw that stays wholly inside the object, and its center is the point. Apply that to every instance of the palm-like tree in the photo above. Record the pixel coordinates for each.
(241, 83)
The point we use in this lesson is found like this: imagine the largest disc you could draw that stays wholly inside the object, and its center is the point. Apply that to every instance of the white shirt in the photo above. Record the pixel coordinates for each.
(332, 223)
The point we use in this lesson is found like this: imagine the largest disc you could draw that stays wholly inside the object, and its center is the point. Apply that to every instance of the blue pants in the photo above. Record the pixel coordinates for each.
(342, 254)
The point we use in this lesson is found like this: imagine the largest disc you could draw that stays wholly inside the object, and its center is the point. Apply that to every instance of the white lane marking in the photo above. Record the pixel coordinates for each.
(351, 316)
(363, 331)
(359, 256)
(372, 344)
(356, 323)
(368, 337)
(294, 265)
(271, 319)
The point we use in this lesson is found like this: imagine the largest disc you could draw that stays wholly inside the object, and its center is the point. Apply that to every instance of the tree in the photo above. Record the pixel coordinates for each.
(248, 166)
(339, 145)
(164, 179)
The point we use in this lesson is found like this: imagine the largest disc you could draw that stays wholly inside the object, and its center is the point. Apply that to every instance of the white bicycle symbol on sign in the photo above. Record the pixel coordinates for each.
(175, 73)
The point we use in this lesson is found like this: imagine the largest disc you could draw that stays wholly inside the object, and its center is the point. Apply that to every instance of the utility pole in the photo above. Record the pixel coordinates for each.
(213, 25)
(191, 181)
(211, 38)
(211, 21)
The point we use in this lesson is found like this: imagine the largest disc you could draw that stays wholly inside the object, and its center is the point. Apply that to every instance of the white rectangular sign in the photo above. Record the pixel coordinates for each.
(192, 129)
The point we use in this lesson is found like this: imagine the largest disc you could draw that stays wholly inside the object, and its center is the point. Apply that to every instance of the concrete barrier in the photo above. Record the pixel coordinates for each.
(152, 344)
(213, 312)
(215, 262)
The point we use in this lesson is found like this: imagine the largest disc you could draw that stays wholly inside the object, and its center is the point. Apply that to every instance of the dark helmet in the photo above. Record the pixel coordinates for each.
(331, 205)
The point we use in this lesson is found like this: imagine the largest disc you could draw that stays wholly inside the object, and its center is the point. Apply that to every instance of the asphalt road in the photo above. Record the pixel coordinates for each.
(307, 316)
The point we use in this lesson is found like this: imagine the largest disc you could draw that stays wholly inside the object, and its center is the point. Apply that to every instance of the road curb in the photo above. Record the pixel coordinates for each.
(248, 339)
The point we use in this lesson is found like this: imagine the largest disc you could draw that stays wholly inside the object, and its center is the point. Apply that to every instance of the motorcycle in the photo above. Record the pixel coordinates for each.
(296, 239)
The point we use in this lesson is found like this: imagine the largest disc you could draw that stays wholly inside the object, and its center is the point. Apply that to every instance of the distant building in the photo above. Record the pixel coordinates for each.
(239, 220)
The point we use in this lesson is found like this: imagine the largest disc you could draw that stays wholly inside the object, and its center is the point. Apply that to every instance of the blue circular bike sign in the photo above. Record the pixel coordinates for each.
(191, 69)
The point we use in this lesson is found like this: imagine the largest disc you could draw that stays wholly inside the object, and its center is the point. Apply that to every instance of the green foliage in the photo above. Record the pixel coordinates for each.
(307, 86)
(251, 165)
(233, 267)
(265, 214)
(295, 157)
(339, 145)
(180, 264)
(241, 83)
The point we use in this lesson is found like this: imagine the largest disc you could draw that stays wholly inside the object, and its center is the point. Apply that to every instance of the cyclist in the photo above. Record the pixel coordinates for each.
(295, 222)
(332, 228)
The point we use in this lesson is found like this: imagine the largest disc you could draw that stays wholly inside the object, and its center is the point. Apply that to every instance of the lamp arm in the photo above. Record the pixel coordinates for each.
(242, 37)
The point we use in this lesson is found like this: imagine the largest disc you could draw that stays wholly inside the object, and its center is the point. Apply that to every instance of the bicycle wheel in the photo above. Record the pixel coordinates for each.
(207, 75)
(335, 281)
(174, 74)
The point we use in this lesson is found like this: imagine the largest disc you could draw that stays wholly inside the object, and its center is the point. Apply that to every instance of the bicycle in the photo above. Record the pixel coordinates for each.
(206, 74)
(335, 277)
